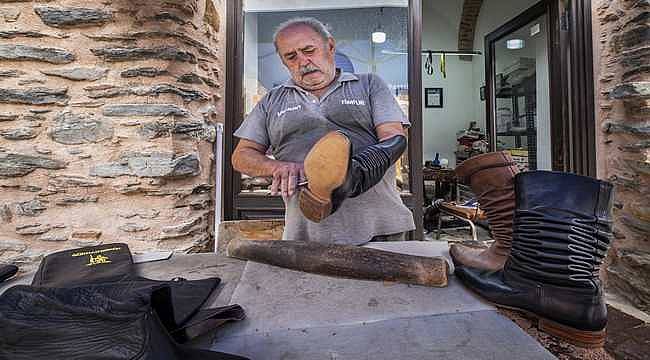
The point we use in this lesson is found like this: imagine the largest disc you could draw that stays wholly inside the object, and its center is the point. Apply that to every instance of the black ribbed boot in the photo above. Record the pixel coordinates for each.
(562, 230)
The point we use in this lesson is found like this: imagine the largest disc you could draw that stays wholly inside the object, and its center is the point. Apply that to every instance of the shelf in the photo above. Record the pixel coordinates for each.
(523, 133)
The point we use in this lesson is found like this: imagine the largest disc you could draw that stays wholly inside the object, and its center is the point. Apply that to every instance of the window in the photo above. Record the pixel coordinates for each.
(371, 37)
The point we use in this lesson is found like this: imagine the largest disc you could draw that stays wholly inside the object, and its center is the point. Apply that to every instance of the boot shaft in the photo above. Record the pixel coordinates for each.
(562, 228)
(368, 167)
(491, 177)
(488, 172)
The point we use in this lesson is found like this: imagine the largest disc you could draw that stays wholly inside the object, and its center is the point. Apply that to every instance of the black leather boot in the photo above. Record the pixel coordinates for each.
(562, 230)
(333, 174)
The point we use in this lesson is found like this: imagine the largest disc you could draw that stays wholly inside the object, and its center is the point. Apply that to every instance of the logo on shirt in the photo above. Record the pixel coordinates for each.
(353, 102)
(293, 108)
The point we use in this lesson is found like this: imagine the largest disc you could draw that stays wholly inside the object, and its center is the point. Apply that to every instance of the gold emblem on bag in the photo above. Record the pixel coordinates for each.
(98, 259)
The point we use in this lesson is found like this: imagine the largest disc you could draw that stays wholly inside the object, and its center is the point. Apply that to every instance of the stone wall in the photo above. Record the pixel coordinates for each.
(107, 123)
(623, 107)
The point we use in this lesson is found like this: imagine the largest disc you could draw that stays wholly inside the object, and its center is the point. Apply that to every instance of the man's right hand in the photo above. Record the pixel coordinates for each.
(286, 176)
(250, 158)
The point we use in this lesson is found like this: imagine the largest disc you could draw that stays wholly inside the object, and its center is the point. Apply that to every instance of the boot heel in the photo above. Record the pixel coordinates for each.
(313, 207)
(326, 167)
(581, 338)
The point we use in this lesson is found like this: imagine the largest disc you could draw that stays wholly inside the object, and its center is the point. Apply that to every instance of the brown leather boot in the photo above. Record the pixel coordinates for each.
(334, 174)
(491, 178)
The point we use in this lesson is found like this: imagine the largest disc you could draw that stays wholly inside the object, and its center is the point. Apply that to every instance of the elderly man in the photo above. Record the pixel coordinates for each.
(322, 106)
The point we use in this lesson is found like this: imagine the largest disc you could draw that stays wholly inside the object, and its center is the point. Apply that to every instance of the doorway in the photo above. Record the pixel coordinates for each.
(516, 81)
(435, 129)
(519, 89)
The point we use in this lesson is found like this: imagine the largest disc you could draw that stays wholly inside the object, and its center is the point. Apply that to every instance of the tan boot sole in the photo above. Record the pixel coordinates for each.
(580, 338)
(326, 166)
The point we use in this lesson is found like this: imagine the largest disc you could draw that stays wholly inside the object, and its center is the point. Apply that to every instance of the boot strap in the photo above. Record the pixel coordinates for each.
(485, 167)
(206, 320)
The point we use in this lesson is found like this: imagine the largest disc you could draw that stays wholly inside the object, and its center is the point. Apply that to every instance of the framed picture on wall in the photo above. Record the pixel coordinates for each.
(433, 97)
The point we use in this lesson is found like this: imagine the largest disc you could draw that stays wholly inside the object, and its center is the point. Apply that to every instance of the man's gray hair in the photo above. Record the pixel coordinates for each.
(311, 22)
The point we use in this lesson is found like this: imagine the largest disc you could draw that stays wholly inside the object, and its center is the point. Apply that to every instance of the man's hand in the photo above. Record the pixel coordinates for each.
(249, 158)
(286, 176)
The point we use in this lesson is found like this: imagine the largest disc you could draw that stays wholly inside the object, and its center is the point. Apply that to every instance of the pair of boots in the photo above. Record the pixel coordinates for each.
(552, 231)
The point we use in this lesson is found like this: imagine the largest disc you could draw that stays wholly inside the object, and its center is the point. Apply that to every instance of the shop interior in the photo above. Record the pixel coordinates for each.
(454, 119)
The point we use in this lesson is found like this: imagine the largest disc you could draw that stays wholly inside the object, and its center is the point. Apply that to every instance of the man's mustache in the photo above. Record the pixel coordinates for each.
(307, 69)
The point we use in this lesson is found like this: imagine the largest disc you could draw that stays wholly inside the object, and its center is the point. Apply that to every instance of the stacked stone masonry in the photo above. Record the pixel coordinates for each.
(468, 19)
(107, 124)
(624, 139)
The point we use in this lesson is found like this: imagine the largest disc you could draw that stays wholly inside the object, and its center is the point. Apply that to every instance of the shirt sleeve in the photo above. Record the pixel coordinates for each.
(384, 105)
(253, 127)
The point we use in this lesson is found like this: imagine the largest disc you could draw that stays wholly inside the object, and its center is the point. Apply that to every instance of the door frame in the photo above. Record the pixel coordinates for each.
(236, 203)
(571, 88)
(571, 44)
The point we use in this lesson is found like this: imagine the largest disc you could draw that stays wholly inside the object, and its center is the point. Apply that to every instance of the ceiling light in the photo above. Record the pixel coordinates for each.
(514, 44)
(378, 37)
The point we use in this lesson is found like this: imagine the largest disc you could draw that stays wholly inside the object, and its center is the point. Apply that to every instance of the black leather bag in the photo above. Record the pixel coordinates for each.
(90, 304)
(89, 265)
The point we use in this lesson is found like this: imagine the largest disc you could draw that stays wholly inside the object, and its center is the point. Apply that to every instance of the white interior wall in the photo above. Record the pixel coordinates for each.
(440, 21)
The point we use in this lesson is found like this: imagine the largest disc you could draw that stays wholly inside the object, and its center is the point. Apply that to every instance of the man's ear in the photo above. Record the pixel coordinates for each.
(331, 45)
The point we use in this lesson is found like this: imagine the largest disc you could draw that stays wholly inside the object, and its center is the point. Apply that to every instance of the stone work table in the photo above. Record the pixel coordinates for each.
(295, 315)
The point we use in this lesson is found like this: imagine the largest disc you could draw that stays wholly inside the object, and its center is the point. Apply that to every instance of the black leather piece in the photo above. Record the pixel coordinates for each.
(561, 234)
(206, 320)
(106, 308)
(78, 323)
(367, 168)
(7, 271)
(99, 267)
(85, 266)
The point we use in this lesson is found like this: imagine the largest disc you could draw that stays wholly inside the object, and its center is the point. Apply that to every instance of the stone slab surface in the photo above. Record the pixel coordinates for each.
(467, 335)
(277, 298)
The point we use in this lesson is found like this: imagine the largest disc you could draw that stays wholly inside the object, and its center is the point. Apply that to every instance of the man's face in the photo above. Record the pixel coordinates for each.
(308, 57)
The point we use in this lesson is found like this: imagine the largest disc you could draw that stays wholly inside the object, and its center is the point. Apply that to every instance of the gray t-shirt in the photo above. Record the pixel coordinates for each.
(290, 120)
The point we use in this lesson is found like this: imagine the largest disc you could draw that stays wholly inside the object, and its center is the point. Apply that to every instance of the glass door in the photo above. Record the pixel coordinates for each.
(520, 115)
